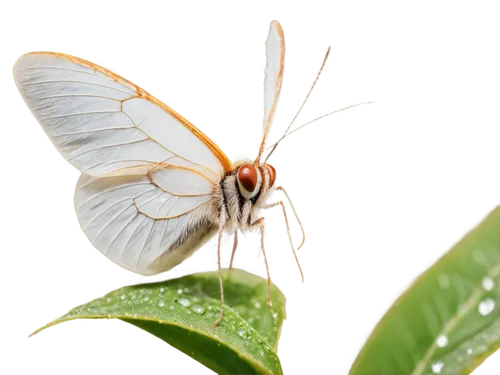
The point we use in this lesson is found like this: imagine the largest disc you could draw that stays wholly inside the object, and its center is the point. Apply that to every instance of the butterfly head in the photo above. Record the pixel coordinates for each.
(254, 178)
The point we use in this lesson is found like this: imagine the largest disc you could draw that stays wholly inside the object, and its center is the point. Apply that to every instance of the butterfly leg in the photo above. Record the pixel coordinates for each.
(235, 245)
(260, 223)
(287, 223)
(220, 281)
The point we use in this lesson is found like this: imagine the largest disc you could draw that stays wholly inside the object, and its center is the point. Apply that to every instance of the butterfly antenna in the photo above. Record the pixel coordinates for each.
(307, 96)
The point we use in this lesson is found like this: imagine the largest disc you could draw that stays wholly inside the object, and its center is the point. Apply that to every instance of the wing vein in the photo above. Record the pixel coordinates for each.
(151, 199)
(77, 114)
(120, 232)
(97, 216)
(162, 204)
(93, 72)
(130, 238)
(78, 95)
(91, 131)
(144, 244)
(108, 146)
(114, 188)
(111, 220)
(74, 81)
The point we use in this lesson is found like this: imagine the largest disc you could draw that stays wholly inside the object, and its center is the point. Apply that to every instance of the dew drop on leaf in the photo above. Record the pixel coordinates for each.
(184, 302)
(488, 283)
(160, 303)
(241, 332)
(198, 309)
(442, 341)
(486, 306)
(437, 367)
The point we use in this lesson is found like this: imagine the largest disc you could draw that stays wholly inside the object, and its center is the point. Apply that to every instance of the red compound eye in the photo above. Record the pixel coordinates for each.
(247, 177)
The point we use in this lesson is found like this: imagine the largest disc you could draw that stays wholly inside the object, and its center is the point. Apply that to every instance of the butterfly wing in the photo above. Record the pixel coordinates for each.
(145, 196)
(104, 124)
(141, 225)
(275, 65)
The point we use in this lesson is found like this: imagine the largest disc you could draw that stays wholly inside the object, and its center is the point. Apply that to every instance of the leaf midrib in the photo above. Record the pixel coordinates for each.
(455, 319)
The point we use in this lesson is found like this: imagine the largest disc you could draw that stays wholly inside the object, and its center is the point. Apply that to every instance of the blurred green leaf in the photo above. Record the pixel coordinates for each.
(182, 311)
(448, 321)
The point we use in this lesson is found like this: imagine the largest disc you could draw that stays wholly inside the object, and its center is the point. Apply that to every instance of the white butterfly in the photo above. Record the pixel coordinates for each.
(153, 187)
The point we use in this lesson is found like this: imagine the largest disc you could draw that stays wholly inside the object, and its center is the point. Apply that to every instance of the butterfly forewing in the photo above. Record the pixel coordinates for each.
(102, 123)
(148, 174)
(275, 65)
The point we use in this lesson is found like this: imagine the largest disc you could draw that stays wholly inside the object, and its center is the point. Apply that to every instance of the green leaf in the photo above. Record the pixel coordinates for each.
(448, 321)
(182, 312)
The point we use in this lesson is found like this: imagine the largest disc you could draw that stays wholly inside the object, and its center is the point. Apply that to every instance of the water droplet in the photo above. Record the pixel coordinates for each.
(109, 299)
(486, 306)
(469, 351)
(444, 281)
(162, 290)
(146, 299)
(184, 302)
(257, 305)
(179, 291)
(442, 341)
(123, 297)
(275, 315)
(171, 307)
(196, 299)
(241, 332)
(261, 353)
(160, 303)
(488, 283)
(437, 367)
(198, 309)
